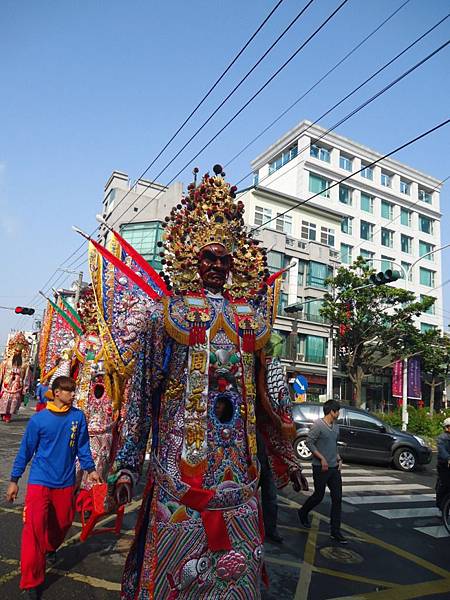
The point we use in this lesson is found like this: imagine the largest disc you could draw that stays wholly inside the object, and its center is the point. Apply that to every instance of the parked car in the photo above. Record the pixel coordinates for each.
(363, 438)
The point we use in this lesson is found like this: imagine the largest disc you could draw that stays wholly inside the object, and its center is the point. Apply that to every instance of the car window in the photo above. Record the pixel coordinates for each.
(361, 420)
(306, 412)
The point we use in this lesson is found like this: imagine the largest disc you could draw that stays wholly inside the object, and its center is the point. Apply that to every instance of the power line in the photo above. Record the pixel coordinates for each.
(352, 51)
(375, 96)
(236, 87)
(369, 165)
(188, 118)
(277, 72)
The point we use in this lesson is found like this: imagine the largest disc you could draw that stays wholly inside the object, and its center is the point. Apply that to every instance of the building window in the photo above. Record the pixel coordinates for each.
(283, 158)
(346, 254)
(317, 151)
(367, 203)
(144, 238)
(308, 231)
(387, 210)
(317, 273)
(386, 263)
(275, 261)
(406, 243)
(405, 187)
(425, 196)
(426, 224)
(347, 225)
(256, 178)
(366, 172)
(386, 179)
(262, 215)
(301, 272)
(427, 277)
(366, 231)
(425, 248)
(424, 327)
(109, 201)
(327, 236)
(315, 349)
(431, 309)
(406, 268)
(387, 238)
(345, 162)
(405, 217)
(319, 185)
(283, 302)
(345, 195)
(284, 223)
(367, 256)
(313, 307)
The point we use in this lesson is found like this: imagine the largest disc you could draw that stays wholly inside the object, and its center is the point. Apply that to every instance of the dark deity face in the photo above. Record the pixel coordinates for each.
(214, 266)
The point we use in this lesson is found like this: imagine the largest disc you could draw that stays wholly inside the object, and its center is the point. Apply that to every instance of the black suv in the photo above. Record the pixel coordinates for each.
(363, 438)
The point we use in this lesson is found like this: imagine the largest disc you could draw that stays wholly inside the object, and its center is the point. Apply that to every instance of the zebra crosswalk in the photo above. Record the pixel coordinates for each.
(390, 497)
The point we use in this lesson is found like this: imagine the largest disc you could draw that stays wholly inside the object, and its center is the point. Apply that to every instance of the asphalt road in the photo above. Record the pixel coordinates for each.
(397, 548)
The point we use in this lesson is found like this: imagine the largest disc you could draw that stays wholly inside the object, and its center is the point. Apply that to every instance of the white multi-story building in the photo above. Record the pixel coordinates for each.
(391, 212)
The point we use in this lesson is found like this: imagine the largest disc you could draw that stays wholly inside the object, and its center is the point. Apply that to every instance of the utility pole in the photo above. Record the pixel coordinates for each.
(405, 416)
(330, 360)
(79, 284)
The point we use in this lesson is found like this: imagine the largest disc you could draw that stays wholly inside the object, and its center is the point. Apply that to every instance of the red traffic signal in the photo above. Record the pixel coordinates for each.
(23, 310)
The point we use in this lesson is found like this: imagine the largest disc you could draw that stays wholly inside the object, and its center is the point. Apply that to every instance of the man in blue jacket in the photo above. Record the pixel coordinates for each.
(54, 438)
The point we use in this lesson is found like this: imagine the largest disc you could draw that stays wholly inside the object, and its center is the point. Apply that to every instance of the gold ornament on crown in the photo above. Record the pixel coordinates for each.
(209, 214)
(18, 344)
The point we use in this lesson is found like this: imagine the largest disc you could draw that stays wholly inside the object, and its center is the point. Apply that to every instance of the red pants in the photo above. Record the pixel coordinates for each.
(40, 406)
(47, 516)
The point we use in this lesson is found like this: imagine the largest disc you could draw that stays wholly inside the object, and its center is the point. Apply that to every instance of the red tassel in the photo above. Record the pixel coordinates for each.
(248, 340)
(197, 334)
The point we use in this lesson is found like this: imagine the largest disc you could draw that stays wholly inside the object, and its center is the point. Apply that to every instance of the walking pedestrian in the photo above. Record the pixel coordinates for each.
(41, 399)
(326, 464)
(443, 464)
(54, 438)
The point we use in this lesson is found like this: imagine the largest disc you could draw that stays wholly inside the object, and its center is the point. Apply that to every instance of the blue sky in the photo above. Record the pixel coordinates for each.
(90, 87)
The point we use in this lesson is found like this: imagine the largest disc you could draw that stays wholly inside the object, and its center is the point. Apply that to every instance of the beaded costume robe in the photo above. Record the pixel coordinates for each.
(14, 374)
(199, 386)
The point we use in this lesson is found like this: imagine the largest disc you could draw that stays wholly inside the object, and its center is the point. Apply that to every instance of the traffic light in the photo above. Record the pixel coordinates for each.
(23, 310)
(384, 277)
(293, 308)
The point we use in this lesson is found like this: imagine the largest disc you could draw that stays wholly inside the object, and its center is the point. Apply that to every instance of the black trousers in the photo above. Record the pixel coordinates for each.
(268, 490)
(322, 479)
(442, 484)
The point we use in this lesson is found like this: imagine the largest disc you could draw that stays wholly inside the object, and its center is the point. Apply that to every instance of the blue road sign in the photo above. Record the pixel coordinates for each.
(300, 384)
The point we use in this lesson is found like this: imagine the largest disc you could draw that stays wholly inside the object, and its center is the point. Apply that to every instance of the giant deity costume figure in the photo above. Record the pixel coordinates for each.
(14, 376)
(192, 342)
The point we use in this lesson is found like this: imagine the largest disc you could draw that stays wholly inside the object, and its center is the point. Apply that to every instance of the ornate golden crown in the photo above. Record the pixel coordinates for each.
(18, 343)
(208, 214)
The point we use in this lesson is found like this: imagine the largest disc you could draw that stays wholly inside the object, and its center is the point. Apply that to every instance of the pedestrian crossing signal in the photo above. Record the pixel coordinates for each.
(23, 310)
(384, 277)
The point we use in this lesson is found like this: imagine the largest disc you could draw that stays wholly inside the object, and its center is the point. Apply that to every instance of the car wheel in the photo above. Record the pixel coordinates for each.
(405, 459)
(301, 449)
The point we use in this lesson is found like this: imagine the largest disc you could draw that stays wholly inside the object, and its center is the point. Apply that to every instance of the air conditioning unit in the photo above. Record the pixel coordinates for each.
(301, 357)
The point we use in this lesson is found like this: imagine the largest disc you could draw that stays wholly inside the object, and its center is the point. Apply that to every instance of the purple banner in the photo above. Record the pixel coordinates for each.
(414, 379)
(397, 379)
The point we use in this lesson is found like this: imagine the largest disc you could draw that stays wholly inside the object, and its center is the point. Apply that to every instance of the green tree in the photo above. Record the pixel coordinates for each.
(372, 324)
(434, 349)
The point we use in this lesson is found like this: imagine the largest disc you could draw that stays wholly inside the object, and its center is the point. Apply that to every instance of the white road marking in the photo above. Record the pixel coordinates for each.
(390, 499)
(436, 531)
(407, 513)
(384, 488)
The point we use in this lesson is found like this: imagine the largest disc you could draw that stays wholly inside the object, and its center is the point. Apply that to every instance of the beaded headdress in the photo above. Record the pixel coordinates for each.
(87, 309)
(208, 214)
(18, 343)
